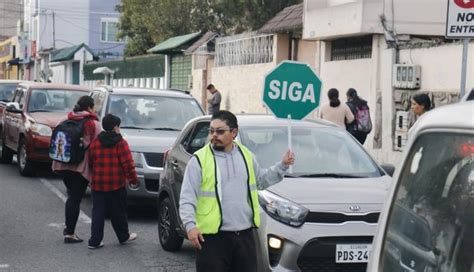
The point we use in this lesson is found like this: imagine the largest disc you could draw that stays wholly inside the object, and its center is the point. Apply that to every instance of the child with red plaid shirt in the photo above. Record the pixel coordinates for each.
(112, 165)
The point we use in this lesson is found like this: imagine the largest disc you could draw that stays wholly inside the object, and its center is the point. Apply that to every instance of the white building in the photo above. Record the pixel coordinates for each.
(361, 41)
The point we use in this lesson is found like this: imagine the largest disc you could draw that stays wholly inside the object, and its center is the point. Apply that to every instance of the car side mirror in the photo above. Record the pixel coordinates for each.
(13, 107)
(389, 168)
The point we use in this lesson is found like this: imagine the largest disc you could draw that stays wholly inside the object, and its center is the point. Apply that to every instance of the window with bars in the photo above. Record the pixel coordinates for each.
(247, 48)
(351, 48)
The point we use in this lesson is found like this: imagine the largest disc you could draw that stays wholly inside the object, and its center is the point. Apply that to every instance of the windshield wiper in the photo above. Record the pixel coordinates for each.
(167, 128)
(132, 127)
(39, 111)
(327, 175)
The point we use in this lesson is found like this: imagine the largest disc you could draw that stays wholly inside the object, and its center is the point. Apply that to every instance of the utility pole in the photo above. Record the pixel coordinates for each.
(54, 32)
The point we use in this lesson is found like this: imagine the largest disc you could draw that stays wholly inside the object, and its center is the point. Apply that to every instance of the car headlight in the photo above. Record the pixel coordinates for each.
(137, 158)
(282, 209)
(40, 129)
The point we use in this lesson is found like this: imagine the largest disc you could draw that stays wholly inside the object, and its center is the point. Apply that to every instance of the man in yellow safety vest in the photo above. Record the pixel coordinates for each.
(219, 198)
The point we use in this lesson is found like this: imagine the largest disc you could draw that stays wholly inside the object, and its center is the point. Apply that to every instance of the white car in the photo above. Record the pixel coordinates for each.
(428, 221)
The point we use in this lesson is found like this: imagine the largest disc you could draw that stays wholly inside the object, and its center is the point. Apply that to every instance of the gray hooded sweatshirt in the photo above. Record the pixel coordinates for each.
(236, 209)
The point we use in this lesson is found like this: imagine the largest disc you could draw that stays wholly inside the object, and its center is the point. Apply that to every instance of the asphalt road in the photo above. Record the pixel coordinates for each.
(31, 224)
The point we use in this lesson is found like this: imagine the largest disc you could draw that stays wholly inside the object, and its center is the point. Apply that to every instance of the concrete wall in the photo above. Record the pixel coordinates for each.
(441, 66)
(307, 51)
(241, 86)
(372, 78)
(328, 19)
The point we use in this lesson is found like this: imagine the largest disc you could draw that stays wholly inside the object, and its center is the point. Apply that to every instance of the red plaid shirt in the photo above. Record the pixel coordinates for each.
(111, 166)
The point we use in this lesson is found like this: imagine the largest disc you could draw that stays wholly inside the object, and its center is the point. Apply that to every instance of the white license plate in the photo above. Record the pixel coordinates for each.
(353, 253)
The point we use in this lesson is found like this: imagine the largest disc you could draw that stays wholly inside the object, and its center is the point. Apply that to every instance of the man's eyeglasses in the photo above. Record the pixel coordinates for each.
(218, 131)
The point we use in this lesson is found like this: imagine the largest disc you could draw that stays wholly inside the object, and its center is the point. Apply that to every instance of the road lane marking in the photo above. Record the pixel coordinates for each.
(82, 216)
(4, 265)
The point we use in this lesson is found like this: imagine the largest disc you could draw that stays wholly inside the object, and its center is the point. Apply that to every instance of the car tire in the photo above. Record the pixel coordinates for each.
(25, 166)
(169, 237)
(6, 153)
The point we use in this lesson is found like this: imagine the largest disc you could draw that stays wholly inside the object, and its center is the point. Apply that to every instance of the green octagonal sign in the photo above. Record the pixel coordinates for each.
(292, 90)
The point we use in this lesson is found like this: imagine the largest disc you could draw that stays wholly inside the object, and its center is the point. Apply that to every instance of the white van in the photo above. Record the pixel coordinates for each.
(427, 223)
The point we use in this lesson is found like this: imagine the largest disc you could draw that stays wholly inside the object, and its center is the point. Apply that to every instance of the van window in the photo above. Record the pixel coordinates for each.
(431, 222)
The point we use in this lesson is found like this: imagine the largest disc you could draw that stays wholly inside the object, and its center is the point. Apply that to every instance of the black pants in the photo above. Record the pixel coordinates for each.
(76, 186)
(228, 252)
(360, 136)
(115, 203)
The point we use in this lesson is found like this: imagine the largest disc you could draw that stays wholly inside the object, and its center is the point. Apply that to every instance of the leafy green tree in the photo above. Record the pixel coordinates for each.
(148, 22)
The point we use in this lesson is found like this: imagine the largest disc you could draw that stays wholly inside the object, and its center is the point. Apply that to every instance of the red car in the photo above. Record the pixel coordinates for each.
(29, 119)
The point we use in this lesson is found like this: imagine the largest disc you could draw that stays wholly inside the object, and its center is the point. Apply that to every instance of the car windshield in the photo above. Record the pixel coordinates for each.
(320, 152)
(44, 100)
(153, 112)
(6, 92)
(431, 226)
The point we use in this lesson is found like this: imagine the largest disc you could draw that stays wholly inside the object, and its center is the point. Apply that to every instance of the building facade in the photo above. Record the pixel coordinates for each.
(12, 14)
(367, 44)
(50, 25)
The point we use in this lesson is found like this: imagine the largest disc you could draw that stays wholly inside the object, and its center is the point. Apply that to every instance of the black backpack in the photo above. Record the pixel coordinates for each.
(66, 144)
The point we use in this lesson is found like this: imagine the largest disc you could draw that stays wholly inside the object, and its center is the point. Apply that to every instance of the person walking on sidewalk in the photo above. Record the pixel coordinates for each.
(219, 199)
(76, 177)
(112, 165)
(214, 102)
(338, 113)
(362, 124)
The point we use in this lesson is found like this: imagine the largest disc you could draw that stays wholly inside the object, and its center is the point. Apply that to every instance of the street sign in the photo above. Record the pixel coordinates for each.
(291, 90)
(460, 19)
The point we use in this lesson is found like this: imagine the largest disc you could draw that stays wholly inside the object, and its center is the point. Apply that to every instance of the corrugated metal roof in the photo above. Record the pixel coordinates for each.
(67, 53)
(204, 39)
(290, 18)
(174, 44)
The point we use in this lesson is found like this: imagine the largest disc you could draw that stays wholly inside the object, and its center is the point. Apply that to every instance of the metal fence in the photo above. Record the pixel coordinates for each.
(242, 49)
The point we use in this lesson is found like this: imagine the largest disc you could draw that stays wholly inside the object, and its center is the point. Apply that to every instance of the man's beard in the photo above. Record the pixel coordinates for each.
(218, 147)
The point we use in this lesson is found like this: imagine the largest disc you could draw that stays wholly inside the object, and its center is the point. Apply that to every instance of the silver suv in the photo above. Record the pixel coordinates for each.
(322, 217)
(151, 121)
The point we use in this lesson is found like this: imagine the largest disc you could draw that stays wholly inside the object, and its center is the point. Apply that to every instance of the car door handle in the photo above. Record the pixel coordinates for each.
(174, 163)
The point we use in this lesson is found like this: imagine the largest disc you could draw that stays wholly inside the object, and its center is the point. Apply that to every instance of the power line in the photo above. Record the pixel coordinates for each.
(73, 10)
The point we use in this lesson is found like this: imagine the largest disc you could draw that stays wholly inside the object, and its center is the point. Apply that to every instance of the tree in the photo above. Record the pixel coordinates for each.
(148, 22)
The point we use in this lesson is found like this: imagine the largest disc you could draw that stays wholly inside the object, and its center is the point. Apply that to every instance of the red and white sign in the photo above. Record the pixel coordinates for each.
(460, 19)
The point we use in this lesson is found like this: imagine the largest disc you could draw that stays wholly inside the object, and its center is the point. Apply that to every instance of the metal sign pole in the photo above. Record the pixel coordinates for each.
(465, 47)
(289, 140)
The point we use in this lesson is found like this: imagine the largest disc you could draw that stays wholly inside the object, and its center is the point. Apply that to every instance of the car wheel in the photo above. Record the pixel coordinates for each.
(169, 237)
(25, 166)
(6, 153)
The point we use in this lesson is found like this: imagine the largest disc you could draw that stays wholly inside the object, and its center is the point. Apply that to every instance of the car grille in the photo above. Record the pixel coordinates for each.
(337, 218)
(152, 185)
(319, 255)
(154, 159)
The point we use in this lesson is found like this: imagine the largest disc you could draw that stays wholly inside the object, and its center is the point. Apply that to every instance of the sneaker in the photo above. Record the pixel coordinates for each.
(131, 237)
(96, 247)
(71, 239)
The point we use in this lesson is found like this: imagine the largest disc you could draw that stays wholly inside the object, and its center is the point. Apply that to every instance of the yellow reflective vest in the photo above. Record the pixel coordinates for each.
(208, 208)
